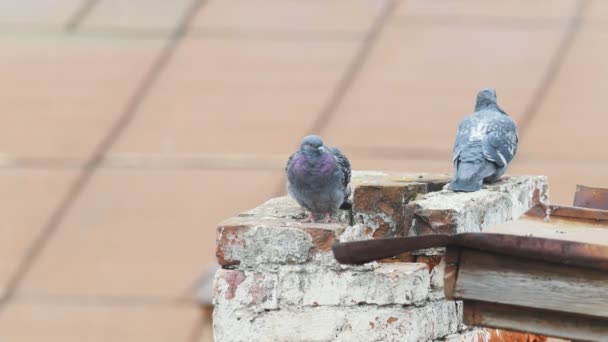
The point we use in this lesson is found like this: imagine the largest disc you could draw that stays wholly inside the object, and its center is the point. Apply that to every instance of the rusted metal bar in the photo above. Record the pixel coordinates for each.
(590, 197)
(536, 248)
(360, 252)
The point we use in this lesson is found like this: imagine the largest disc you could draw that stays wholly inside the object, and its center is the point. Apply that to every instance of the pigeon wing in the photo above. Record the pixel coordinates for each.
(500, 142)
(462, 136)
(343, 163)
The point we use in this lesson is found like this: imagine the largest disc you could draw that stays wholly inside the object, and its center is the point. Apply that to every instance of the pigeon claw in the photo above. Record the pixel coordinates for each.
(309, 218)
(327, 218)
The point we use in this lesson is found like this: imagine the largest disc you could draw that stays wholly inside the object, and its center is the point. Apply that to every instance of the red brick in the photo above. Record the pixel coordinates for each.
(403, 257)
(432, 221)
(322, 239)
(430, 260)
(497, 335)
(233, 279)
(229, 236)
(379, 201)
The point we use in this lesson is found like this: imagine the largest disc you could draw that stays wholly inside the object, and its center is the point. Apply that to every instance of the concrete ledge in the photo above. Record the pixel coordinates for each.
(446, 212)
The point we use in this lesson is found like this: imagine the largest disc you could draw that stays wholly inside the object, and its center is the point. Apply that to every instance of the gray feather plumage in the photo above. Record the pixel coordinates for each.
(318, 177)
(485, 144)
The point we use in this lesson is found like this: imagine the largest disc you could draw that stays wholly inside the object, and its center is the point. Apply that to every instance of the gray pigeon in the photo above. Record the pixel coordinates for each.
(318, 178)
(485, 144)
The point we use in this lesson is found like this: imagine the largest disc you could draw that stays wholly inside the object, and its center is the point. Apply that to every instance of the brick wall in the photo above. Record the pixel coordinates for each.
(280, 282)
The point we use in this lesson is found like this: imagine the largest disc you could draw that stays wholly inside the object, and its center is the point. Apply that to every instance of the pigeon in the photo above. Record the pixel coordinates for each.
(318, 178)
(485, 144)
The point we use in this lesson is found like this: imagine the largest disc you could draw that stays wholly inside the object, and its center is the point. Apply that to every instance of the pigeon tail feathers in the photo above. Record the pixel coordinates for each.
(469, 176)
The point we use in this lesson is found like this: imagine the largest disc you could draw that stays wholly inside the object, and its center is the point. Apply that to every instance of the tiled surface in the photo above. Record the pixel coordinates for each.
(237, 96)
(571, 121)
(218, 117)
(420, 82)
(278, 15)
(565, 175)
(71, 322)
(51, 14)
(61, 95)
(29, 198)
(535, 10)
(154, 15)
(130, 228)
(405, 165)
(597, 13)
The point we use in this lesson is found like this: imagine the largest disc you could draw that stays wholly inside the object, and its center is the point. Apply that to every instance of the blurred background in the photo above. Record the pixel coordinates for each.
(130, 128)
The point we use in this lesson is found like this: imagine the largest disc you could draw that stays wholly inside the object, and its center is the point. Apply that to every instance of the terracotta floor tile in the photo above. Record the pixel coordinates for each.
(420, 82)
(144, 233)
(482, 8)
(564, 176)
(313, 15)
(571, 123)
(597, 12)
(38, 12)
(90, 323)
(237, 96)
(28, 199)
(136, 14)
(59, 97)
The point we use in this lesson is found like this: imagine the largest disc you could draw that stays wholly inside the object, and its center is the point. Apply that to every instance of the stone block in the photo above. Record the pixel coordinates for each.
(446, 212)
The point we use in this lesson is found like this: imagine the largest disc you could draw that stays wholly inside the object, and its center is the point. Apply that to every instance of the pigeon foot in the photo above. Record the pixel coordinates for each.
(309, 218)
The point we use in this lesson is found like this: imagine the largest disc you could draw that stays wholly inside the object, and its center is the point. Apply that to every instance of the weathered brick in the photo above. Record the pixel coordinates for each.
(447, 212)
(273, 233)
(256, 290)
(380, 199)
(496, 335)
(429, 260)
(386, 284)
(249, 244)
(313, 285)
(492, 335)
(472, 335)
(403, 257)
(333, 323)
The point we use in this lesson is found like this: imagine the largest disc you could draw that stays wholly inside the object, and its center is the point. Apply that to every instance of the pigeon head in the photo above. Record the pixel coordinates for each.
(485, 98)
(311, 143)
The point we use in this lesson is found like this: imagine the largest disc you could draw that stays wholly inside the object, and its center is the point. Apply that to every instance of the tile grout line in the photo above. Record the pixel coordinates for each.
(553, 69)
(262, 162)
(477, 21)
(349, 76)
(122, 33)
(96, 300)
(77, 187)
(81, 13)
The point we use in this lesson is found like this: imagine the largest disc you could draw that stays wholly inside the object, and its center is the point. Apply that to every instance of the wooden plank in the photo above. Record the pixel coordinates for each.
(452, 255)
(518, 281)
(556, 324)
